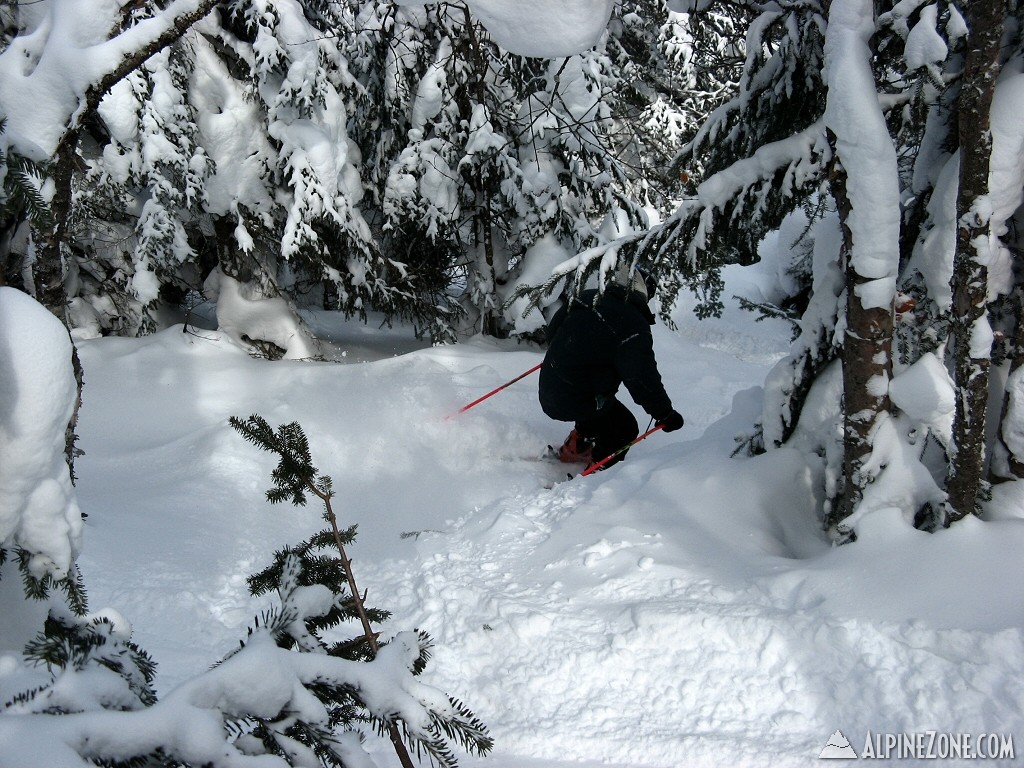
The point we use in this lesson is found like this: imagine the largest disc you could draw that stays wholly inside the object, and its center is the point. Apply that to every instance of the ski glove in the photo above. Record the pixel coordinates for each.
(671, 422)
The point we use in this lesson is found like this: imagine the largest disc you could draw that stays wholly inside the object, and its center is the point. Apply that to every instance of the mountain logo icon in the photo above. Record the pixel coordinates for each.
(838, 748)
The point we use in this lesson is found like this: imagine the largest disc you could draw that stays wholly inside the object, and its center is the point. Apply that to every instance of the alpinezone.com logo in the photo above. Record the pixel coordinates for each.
(924, 745)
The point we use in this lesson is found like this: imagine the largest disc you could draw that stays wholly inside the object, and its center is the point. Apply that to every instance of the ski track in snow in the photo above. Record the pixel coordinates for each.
(646, 657)
(672, 611)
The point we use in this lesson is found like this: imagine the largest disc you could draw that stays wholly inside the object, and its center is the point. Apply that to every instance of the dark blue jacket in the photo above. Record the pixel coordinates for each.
(597, 342)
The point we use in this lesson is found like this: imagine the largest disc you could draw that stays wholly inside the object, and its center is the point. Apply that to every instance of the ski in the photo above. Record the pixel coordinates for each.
(552, 483)
(550, 456)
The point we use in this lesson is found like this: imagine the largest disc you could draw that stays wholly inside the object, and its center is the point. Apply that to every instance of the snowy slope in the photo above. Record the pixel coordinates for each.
(679, 609)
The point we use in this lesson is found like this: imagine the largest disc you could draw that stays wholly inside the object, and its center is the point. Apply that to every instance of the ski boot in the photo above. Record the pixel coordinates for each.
(576, 449)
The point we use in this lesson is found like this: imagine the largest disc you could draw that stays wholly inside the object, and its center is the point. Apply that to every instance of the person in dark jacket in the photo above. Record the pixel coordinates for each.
(597, 342)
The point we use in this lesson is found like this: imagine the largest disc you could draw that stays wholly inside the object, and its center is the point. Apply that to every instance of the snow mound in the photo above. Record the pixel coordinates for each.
(38, 509)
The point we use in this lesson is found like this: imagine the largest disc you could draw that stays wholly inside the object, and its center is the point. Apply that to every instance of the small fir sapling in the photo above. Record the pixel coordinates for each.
(286, 696)
(318, 593)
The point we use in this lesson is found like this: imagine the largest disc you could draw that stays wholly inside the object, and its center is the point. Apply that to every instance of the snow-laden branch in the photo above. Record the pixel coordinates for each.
(801, 157)
(543, 28)
(865, 149)
(52, 72)
(262, 680)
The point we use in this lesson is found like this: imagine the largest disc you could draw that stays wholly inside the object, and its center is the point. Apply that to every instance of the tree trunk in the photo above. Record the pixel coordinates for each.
(1014, 461)
(864, 180)
(48, 269)
(11, 268)
(970, 329)
(867, 359)
(491, 325)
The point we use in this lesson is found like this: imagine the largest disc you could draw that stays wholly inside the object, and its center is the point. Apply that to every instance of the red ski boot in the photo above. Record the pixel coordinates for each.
(576, 449)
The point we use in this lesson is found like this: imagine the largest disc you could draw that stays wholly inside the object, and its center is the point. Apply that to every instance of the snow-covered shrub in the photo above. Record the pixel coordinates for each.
(314, 600)
(319, 592)
(93, 665)
(285, 697)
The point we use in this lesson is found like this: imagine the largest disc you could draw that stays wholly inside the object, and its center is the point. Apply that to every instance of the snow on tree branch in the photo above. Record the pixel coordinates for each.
(541, 28)
(50, 74)
(261, 680)
(800, 159)
(864, 147)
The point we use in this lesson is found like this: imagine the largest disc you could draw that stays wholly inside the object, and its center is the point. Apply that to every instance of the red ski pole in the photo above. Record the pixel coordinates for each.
(493, 392)
(594, 467)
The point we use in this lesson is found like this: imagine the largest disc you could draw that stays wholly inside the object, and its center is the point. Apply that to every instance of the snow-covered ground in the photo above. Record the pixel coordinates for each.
(680, 609)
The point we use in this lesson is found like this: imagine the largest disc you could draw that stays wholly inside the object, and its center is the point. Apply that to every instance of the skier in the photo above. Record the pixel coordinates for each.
(598, 341)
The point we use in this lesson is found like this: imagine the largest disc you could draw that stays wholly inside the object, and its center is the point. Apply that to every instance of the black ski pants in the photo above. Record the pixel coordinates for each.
(610, 428)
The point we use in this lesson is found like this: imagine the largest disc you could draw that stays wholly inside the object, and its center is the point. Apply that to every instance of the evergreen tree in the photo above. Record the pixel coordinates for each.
(286, 696)
(389, 48)
(916, 64)
(285, 693)
(357, 155)
(299, 571)
(228, 155)
(864, 184)
(273, 208)
(673, 69)
(120, 673)
(494, 158)
(761, 154)
(942, 319)
(53, 130)
(142, 198)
